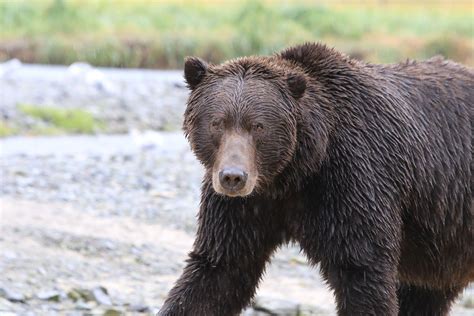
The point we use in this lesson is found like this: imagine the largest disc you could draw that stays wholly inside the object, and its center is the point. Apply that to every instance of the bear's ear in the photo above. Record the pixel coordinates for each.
(297, 85)
(194, 71)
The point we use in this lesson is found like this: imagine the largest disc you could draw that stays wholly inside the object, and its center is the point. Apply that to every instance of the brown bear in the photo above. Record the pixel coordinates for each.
(367, 167)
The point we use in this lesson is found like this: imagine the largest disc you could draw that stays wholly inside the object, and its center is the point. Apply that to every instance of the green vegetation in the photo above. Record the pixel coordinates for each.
(58, 120)
(6, 129)
(145, 33)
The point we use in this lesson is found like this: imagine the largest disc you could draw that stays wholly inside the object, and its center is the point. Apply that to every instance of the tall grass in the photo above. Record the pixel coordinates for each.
(147, 33)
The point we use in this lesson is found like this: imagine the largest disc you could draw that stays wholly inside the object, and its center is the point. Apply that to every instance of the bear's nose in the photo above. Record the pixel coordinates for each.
(232, 178)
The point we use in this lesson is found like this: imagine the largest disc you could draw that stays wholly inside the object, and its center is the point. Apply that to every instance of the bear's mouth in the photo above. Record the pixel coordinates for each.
(234, 173)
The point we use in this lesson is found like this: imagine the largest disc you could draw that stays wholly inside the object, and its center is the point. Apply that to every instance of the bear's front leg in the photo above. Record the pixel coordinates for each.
(235, 238)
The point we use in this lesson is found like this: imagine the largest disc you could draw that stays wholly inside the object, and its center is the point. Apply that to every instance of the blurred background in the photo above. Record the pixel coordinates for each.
(98, 187)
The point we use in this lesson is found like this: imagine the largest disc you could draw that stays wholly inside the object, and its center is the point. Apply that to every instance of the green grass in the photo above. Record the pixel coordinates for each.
(146, 33)
(60, 120)
(6, 129)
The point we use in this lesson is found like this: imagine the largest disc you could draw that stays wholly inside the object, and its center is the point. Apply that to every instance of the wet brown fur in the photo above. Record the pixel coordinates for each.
(367, 167)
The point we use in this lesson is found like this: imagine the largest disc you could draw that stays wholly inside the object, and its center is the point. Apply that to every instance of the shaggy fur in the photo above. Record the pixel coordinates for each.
(367, 167)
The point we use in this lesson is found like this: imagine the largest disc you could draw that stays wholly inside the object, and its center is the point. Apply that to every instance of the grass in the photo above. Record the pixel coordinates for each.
(159, 34)
(6, 129)
(59, 120)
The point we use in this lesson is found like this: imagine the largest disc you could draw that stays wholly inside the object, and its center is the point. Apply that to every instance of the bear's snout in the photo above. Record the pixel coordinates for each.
(233, 179)
(235, 171)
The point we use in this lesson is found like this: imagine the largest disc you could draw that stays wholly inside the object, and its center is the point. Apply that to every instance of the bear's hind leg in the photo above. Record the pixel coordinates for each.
(362, 290)
(420, 301)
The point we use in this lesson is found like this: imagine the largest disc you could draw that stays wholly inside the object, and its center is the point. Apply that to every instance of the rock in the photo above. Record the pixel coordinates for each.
(91, 76)
(78, 294)
(113, 312)
(9, 255)
(12, 295)
(264, 306)
(53, 295)
(179, 85)
(272, 306)
(81, 305)
(312, 310)
(9, 66)
(140, 308)
(6, 306)
(109, 245)
(41, 271)
(101, 296)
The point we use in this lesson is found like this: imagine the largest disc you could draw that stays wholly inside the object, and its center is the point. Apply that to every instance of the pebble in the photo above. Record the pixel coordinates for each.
(84, 305)
(51, 295)
(101, 296)
(6, 306)
(12, 295)
(140, 308)
(113, 312)
(78, 294)
(272, 306)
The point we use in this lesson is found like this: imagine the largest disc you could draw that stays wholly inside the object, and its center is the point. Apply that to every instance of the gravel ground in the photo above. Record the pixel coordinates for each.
(110, 175)
(101, 225)
(114, 215)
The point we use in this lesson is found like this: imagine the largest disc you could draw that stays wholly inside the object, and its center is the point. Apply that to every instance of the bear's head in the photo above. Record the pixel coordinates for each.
(242, 120)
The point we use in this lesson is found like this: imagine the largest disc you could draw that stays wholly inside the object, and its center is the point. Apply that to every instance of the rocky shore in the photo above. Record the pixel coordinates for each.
(121, 99)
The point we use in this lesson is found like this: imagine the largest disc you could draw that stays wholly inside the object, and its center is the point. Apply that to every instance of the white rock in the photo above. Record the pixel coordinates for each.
(9, 66)
(86, 74)
(146, 140)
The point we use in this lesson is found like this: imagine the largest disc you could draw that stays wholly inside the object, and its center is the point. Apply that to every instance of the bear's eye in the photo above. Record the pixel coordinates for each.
(217, 125)
(258, 127)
